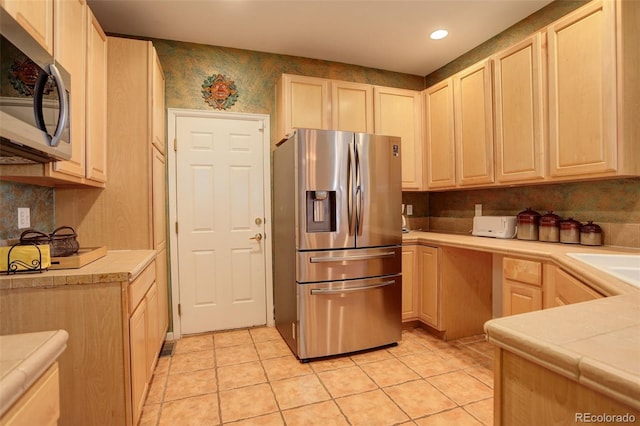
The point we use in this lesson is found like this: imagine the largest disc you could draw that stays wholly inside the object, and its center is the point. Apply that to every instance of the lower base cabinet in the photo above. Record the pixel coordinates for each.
(115, 333)
(530, 285)
(527, 394)
(452, 287)
(40, 405)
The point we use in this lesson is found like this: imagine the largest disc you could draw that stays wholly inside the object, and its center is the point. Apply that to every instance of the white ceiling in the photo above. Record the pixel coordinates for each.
(388, 35)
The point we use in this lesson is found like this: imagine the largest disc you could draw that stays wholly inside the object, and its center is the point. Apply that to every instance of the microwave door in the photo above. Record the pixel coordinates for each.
(379, 199)
(325, 167)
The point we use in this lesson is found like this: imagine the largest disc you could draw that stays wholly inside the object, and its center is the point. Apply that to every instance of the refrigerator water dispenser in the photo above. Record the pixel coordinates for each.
(321, 211)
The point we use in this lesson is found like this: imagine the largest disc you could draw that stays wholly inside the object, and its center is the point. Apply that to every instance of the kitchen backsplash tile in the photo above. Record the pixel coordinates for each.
(37, 198)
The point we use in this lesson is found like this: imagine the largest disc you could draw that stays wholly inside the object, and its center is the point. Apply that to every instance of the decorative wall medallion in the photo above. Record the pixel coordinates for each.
(219, 92)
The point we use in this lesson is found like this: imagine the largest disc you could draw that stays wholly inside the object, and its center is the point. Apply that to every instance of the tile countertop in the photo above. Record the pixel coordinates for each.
(555, 252)
(23, 359)
(116, 266)
(596, 343)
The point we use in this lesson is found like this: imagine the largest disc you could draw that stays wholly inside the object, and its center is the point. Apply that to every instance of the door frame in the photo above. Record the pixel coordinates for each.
(263, 121)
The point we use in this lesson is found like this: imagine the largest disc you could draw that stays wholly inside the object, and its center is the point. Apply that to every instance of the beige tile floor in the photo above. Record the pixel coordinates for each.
(250, 377)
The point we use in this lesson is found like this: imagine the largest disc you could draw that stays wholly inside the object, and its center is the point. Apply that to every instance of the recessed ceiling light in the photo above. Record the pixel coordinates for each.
(439, 34)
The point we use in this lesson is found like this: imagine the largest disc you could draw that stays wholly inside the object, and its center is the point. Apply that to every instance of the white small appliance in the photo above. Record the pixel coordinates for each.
(494, 226)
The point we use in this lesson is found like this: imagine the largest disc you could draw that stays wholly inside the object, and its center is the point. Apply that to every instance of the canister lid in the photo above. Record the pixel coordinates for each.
(570, 224)
(528, 216)
(550, 219)
(591, 227)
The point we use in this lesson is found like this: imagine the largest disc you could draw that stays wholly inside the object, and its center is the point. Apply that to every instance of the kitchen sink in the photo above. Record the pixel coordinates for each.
(625, 267)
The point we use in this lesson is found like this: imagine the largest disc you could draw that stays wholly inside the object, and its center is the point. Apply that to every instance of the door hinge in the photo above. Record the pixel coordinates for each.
(179, 309)
(175, 144)
(176, 227)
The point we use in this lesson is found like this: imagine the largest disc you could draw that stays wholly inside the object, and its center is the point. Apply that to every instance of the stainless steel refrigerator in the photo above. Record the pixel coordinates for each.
(337, 241)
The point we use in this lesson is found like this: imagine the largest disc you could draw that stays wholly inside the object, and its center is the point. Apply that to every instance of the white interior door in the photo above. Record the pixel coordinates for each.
(220, 205)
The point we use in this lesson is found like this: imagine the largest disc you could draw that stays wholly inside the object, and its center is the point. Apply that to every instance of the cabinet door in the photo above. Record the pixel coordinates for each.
(518, 298)
(153, 329)
(410, 284)
(439, 135)
(519, 115)
(36, 17)
(474, 124)
(70, 51)
(398, 112)
(158, 103)
(96, 133)
(430, 286)
(138, 348)
(582, 91)
(352, 107)
(303, 103)
(565, 290)
(163, 295)
(158, 192)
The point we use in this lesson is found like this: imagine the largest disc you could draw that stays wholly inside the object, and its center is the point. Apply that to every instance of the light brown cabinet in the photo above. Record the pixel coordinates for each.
(410, 283)
(518, 74)
(448, 289)
(36, 17)
(474, 125)
(96, 98)
(398, 112)
(459, 130)
(521, 286)
(81, 48)
(39, 405)
(352, 106)
(318, 103)
(439, 136)
(104, 372)
(429, 272)
(302, 102)
(593, 89)
(562, 288)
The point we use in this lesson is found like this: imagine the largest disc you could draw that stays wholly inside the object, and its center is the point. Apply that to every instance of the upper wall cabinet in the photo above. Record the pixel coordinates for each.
(36, 17)
(352, 106)
(459, 129)
(318, 103)
(519, 112)
(593, 91)
(96, 169)
(302, 102)
(158, 110)
(474, 125)
(398, 112)
(80, 46)
(439, 135)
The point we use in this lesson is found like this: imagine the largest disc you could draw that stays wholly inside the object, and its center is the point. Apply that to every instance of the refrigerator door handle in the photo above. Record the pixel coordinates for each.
(359, 216)
(352, 194)
(347, 290)
(328, 259)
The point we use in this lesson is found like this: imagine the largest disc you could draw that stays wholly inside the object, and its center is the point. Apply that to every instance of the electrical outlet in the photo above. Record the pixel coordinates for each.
(478, 210)
(24, 217)
(409, 209)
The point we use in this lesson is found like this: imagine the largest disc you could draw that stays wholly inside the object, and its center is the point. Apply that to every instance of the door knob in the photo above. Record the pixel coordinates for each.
(256, 237)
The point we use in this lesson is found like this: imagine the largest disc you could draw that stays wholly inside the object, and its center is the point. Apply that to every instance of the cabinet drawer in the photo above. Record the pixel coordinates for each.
(139, 287)
(524, 271)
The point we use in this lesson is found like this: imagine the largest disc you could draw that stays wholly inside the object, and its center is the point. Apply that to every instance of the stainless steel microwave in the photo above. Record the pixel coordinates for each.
(34, 99)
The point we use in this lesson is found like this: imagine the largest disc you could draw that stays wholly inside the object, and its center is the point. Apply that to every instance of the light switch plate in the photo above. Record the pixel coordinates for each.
(478, 210)
(409, 209)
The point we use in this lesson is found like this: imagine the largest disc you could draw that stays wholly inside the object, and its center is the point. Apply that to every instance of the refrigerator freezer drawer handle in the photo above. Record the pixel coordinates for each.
(349, 258)
(346, 290)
